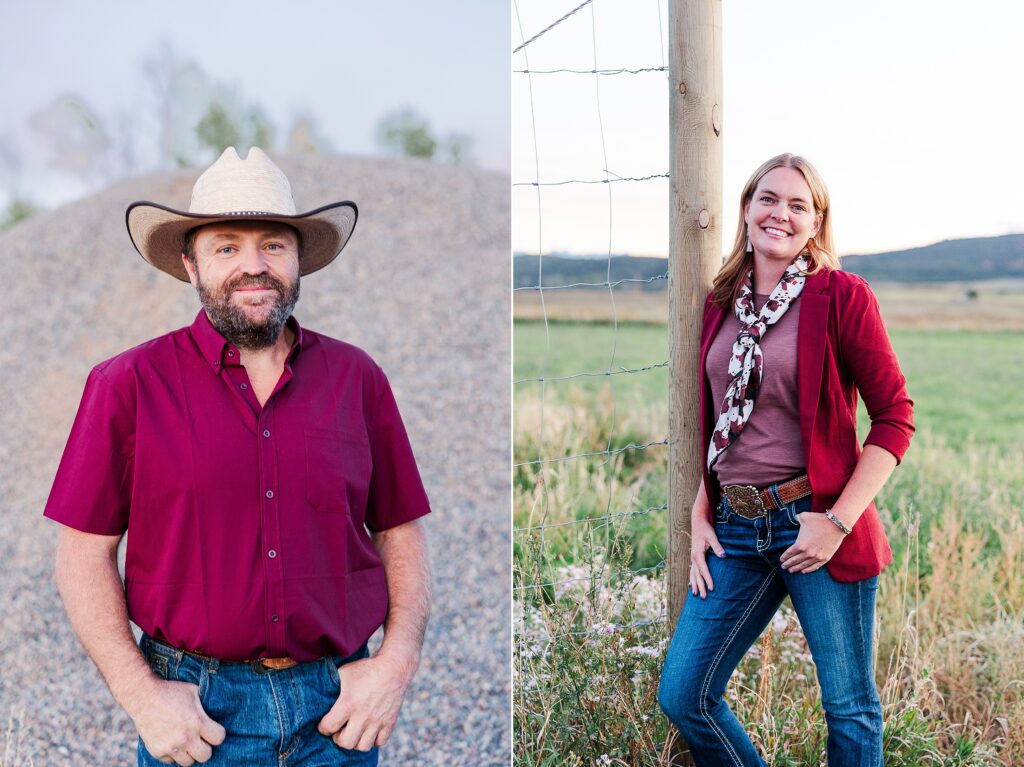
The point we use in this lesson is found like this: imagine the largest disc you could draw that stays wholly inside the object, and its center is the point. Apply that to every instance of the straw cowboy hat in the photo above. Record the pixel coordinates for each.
(232, 189)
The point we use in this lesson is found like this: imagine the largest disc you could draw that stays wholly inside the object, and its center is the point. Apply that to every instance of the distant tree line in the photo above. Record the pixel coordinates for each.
(966, 260)
(194, 120)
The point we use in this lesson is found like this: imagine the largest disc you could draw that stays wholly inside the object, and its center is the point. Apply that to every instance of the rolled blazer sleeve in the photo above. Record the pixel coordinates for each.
(870, 360)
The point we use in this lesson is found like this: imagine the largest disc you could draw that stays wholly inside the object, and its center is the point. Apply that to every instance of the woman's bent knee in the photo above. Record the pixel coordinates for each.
(680, 702)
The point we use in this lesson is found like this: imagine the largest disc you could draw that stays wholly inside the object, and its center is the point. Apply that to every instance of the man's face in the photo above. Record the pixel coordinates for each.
(247, 277)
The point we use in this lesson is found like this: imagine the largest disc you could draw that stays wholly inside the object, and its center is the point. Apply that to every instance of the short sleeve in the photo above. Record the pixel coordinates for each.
(92, 489)
(396, 490)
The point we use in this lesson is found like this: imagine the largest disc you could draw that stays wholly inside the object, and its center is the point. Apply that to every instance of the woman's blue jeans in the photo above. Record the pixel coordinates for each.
(271, 717)
(713, 634)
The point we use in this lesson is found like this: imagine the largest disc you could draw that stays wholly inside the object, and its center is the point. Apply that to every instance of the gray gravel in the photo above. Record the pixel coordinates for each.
(423, 287)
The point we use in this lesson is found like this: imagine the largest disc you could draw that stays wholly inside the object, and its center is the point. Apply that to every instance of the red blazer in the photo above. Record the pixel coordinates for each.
(842, 348)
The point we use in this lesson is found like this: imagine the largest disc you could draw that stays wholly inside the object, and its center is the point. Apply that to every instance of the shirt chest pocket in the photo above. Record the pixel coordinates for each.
(338, 468)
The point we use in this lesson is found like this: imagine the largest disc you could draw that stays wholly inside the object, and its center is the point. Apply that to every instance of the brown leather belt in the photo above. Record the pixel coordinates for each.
(263, 664)
(750, 502)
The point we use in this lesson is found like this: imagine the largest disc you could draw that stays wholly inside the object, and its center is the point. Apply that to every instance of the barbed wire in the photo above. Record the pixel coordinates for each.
(601, 374)
(610, 628)
(552, 25)
(586, 520)
(593, 284)
(637, 571)
(610, 512)
(589, 71)
(609, 453)
(592, 181)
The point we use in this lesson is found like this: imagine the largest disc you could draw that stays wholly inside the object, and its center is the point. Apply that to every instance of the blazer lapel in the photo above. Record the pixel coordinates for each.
(812, 331)
(713, 320)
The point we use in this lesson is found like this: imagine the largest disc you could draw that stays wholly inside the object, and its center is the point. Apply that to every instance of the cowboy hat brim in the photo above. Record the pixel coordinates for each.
(158, 232)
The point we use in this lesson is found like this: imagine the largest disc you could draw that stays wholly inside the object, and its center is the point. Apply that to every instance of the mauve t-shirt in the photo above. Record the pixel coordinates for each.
(769, 449)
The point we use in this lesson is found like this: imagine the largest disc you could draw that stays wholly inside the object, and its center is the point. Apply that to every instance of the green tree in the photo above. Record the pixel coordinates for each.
(217, 130)
(406, 133)
(458, 149)
(225, 124)
(17, 210)
(304, 136)
(261, 129)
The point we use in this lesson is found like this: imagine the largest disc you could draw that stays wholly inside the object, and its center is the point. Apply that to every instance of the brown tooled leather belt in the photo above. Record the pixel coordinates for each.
(750, 502)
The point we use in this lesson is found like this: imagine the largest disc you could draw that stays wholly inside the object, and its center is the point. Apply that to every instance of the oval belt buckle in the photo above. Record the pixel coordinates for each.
(746, 501)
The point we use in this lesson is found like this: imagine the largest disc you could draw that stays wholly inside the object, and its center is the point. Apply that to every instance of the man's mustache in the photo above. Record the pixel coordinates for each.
(256, 282)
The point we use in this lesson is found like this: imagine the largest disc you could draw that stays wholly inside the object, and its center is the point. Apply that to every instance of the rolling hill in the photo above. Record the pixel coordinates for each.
(964, 260)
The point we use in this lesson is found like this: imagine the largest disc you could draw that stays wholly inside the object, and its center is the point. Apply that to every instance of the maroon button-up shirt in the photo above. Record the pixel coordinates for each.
(247, 525)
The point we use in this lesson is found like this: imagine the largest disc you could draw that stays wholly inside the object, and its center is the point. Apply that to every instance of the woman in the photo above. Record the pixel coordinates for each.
(786, 503)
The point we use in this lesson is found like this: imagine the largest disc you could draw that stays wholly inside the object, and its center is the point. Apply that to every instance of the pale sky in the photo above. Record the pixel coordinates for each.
(908, 109)
(347, 62)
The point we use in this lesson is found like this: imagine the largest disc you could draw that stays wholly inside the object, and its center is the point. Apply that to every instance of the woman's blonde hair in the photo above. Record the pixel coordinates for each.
(733, 274)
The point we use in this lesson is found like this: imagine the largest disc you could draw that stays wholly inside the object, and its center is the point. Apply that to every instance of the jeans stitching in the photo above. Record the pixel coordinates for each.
(298, 704)
(277, 711)
(768, 542)
(204, 681)
(327, 665)
(718, 659)
(860, 637)
(791, 513)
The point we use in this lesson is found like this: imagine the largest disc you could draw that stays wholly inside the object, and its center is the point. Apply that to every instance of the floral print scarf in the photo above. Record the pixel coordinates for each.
(746, 364)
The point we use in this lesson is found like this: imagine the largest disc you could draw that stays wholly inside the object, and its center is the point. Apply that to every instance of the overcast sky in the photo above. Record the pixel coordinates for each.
(909, 110)
(348, 63)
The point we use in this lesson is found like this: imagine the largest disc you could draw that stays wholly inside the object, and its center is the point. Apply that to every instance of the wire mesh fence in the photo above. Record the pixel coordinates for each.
(591, 459)
(590, 396)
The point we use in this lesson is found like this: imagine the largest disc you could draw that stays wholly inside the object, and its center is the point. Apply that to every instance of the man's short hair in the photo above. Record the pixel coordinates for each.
(189, 244)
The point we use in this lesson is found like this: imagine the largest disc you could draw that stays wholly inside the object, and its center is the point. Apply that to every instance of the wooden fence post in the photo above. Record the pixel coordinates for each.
(695, 252)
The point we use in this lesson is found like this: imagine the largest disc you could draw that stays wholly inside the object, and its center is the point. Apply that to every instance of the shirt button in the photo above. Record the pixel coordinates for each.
(270, 494)
(231, 352)
(243, 386)
(274, 618)
(271, 553)
(266, 432)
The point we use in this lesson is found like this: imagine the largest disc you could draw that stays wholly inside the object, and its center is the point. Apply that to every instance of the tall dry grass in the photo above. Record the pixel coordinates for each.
(588, 650)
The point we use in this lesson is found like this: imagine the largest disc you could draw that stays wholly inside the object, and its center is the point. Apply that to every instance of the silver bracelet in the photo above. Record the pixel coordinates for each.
(837, 522)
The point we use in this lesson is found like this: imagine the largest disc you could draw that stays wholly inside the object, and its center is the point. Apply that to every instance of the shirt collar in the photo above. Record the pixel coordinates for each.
(218, 352)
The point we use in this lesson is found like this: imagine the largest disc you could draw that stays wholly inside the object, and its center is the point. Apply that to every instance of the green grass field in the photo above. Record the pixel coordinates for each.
(966, 385)
(950, 607)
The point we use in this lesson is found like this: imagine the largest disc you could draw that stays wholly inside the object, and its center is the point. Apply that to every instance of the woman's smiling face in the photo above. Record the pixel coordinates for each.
(780, 217)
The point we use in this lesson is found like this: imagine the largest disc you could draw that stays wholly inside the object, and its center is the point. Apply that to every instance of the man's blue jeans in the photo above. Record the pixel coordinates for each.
(270, 716)
(714, 633)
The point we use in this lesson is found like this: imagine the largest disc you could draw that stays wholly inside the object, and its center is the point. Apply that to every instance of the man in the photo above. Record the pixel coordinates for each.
(270, 494)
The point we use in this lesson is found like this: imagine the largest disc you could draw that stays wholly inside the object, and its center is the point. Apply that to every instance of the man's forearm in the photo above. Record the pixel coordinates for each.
(403, 551)
(89, 584)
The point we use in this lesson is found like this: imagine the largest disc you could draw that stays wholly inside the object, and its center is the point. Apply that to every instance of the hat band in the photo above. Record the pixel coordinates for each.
(242, 213)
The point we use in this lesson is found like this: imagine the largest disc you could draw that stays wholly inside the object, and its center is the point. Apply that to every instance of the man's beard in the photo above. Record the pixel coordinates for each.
(233, 323)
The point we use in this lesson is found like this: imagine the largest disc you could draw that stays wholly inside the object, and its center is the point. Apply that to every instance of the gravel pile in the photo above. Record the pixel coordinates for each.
(423, 287)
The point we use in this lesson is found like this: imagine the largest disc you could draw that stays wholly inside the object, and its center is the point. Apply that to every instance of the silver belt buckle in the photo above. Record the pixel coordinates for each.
(745, 500)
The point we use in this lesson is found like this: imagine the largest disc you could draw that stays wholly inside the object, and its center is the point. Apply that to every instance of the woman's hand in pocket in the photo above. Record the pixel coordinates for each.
(702, 538)
(816, 543)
